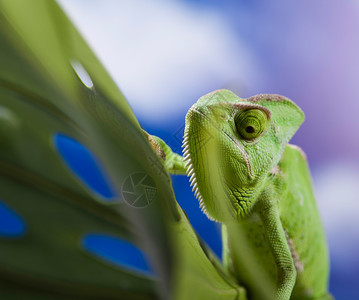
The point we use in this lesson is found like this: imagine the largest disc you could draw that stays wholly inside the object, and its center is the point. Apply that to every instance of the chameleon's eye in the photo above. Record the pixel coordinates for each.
(250, 123)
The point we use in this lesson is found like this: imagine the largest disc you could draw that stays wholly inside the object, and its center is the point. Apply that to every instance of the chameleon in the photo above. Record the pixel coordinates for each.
(248, 177)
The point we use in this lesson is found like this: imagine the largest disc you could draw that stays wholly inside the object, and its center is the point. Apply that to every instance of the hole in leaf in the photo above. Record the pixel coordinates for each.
(11, 224)
(118, 252)
(82, 73)
(85, 165)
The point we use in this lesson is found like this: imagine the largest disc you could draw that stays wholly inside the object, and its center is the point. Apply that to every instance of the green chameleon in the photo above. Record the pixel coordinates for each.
(247, 176)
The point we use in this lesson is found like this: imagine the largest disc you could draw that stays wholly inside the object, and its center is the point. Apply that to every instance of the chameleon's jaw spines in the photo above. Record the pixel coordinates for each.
(192, 174)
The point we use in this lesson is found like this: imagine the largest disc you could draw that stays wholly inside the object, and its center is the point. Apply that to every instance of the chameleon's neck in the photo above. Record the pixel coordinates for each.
(260, 196)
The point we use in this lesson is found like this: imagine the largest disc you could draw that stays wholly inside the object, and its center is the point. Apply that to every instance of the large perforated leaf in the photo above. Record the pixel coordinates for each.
(78, 179)
(43, 95)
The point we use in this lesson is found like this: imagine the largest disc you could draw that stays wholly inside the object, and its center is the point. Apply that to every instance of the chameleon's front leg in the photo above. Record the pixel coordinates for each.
(173, 162)
(278, 244)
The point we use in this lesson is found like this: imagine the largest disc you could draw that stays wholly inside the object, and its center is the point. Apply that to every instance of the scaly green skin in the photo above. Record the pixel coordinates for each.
(247, 177)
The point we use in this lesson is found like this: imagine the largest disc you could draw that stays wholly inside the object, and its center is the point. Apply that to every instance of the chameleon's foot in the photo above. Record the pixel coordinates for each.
(173, 162)
(155, 145)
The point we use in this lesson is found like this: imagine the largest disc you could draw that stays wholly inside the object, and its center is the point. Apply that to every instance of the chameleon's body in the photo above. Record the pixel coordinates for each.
(247, 177)
(302, 227)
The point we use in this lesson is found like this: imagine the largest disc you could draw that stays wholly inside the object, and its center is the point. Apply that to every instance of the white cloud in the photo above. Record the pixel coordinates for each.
(162, 54)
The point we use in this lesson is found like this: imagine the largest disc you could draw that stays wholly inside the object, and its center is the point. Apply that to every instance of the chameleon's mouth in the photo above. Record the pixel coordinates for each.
(190, 170)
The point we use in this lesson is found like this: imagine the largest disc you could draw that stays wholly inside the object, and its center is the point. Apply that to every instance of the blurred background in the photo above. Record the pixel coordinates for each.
(165, 54)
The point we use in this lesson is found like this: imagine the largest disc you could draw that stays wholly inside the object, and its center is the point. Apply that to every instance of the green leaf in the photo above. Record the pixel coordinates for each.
(42, 95)
(51, 83)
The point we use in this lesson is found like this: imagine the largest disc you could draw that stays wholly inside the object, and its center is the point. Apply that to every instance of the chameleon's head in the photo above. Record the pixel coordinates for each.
(232, 144)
